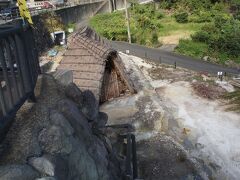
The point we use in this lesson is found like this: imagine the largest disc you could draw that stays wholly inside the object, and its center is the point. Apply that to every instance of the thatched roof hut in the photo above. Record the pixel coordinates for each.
(95, 66)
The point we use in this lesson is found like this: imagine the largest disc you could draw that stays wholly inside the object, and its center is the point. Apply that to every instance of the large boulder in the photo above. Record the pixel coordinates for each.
(53, 140)
(56, 118)
(64, 76)
(76, 118)
(18, 172)
(81, 164)
(50, 165)
(99, 153)
(101, 120)
(74, 93)
(89, 105)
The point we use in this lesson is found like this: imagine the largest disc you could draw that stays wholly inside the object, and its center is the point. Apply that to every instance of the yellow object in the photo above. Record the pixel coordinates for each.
(24, 12)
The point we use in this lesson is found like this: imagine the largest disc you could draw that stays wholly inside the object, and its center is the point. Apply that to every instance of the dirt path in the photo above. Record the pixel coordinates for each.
(174, 38)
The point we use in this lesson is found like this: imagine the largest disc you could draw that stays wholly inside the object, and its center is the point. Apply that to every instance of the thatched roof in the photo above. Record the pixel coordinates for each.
(86, 57)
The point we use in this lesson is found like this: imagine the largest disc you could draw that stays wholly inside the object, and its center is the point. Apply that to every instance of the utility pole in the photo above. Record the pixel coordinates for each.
(128, 22)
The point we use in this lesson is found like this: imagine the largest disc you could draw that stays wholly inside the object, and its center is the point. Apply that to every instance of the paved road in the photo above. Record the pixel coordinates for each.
(161, 56)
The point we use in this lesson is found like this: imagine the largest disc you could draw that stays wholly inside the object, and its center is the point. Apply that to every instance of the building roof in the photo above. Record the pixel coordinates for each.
(86, 57)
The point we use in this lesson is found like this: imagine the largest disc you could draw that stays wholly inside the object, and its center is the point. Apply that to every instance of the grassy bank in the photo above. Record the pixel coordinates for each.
(149, 27)
(202, 30)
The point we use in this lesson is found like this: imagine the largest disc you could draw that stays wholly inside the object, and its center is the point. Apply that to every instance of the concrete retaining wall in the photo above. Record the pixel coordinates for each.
(85, 11)
(80, 12)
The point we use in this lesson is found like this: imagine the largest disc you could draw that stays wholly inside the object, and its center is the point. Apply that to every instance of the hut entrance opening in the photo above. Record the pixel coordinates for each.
(114, 85)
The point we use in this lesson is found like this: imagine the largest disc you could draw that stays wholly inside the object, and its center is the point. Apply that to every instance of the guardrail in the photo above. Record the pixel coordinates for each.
(19, 69)
(35, 11)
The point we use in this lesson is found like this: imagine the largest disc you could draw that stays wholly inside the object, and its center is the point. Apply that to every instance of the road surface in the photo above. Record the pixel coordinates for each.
(161, 56)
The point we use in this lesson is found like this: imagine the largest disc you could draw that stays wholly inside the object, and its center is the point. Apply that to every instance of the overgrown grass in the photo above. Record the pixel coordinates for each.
(111, 26)
(199, 50)
(144, 27)
(171, 27)
(210, 30)
(191, 48)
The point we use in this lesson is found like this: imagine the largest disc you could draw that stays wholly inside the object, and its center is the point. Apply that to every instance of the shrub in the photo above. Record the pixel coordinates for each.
(181, 17)
(219, 7)
(154, 39)
(168, 4)
(159, 15)
(200, 17)
(220, 20)
(192, 48)
(221, 36)
(237, 16)
(201, 36)
(142, 41)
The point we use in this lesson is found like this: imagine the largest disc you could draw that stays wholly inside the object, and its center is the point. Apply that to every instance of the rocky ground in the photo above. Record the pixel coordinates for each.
(179, 120)
(58, 138)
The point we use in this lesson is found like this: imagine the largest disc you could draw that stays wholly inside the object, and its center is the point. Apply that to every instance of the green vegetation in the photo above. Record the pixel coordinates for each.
(207, 27)
(219, 38)
(192, 48)
(144, 25)
(222, 38)
(148, 25)
(171, 27)
(111, 26)
(181, 17)
(51, 21)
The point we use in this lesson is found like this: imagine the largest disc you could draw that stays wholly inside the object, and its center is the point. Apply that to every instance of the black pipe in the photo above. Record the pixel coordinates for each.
(129, 156)
(134, 157)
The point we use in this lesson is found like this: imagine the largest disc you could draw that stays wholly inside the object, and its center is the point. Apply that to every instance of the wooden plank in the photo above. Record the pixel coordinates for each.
(120, 68)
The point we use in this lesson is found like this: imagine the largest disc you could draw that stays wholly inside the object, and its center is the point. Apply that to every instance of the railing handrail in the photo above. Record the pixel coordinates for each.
(34, 12)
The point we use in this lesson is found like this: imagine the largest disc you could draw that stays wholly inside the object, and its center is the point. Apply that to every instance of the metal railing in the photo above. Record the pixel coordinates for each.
(128, 140)
(19, 69)
(35, 11)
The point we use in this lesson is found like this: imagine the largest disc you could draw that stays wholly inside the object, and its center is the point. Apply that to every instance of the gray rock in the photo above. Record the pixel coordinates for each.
(74, 93)
(53, 140)
(89, 106)
(50, 165)
(58, 119)
(102, 119)
(76, 119)
(108, 145)
(63, 76)
(17, 172)
(81, 164)
(100, 155)
(46, 178)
